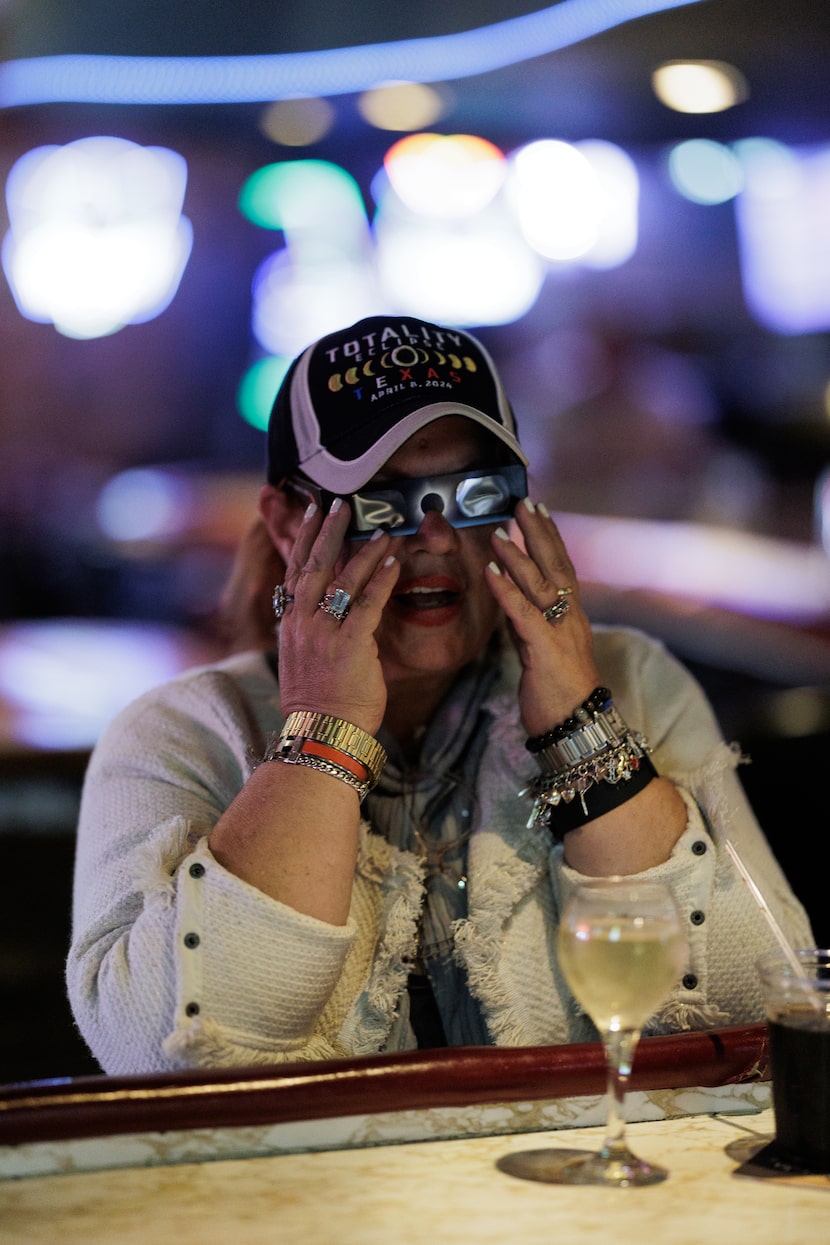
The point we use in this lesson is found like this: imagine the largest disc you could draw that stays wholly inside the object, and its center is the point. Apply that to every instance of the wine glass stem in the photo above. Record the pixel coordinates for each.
(619, 1057)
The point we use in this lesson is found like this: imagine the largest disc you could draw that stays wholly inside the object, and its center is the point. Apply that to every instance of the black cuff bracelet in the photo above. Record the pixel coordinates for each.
(600, 798)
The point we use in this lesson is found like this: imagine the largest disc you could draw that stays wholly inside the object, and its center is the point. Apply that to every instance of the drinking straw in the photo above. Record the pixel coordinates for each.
(783, 942)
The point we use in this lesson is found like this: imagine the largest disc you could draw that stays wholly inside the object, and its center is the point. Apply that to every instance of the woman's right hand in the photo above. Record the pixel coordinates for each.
(325, 665)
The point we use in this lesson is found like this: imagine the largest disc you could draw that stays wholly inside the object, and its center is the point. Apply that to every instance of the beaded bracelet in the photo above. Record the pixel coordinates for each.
(593, 755)
(597, 702)
(605, 731)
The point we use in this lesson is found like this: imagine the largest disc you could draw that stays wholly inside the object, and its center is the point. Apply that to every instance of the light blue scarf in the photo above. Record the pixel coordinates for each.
(431, 810)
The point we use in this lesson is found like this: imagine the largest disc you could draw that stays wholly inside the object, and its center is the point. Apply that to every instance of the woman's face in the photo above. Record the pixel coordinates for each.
(441, 614)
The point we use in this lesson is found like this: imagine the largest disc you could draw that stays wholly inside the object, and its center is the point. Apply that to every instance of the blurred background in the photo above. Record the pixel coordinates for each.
(628, 202)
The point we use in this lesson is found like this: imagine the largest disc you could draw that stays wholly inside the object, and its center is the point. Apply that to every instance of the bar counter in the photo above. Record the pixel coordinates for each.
(413, 1147)
(425, 1192)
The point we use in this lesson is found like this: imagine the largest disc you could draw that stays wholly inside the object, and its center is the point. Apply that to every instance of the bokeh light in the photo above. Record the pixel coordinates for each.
(555, 193)
(576, 201)
(471, 272)
(783, 223)
(96, 238)
(310, 198)
(445, 176)
(704, 171)
(323, 275)
(258, 388)
(403, 105)
(143, 504)
(67, 678)
(297, 122)
(618, 203)
(699, 86)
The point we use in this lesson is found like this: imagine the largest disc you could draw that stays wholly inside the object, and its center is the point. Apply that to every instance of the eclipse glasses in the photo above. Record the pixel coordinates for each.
(465, 499)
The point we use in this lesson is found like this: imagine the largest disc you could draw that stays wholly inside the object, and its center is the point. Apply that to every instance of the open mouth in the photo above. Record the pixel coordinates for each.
(426, 598)
(434, 599)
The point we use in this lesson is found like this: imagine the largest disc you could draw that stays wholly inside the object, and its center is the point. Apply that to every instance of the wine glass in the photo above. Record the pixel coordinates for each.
(621, 947)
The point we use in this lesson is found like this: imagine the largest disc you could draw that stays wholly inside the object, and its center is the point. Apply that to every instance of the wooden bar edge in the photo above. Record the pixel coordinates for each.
(458, 1076)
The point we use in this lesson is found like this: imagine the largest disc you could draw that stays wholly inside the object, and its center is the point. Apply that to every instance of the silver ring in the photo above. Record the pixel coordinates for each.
(556, 612)
(280, 600)
(336, 603)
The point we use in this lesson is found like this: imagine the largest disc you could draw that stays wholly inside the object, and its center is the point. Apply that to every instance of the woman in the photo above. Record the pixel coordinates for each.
(359, 840)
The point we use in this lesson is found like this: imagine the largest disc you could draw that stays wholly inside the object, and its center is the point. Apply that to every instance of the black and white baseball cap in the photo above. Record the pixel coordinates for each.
(351, 399)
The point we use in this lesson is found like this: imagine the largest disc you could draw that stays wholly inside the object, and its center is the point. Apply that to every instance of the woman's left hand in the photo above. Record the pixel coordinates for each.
(559, 671)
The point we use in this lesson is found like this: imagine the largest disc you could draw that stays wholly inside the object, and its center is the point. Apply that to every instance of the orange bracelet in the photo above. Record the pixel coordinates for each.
(329, 744)
(337, 757)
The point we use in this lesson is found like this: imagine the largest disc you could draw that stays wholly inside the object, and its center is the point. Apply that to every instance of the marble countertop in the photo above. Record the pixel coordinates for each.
(419, 1193)
(211, 1141)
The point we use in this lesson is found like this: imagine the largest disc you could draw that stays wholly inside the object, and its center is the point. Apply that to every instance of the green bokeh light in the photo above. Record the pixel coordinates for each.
(258, 388)
(296, 192)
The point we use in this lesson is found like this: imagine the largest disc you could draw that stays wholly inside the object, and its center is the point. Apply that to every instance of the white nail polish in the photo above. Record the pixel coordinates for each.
(335, 505)
(494, 567)
(543, 510)
(501, 533)
(528, 505)
(310, 511)
(390, 560)
(377, 533)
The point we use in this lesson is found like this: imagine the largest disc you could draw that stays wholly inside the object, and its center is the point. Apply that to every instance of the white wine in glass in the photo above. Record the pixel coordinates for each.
(622, 948)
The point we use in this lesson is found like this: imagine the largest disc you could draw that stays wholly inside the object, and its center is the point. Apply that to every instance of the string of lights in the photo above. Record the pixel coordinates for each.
(331, 71)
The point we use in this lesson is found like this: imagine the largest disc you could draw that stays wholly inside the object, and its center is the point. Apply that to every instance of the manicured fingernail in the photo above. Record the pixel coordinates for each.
(528, 505)
(494, 567)
(377, 533)
(390, 560)
(543, 510)
(310, 511)
(502, 534)
(335, 505)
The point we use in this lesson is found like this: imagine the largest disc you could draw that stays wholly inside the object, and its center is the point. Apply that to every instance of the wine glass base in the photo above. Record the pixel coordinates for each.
(620, 1171)
(572, 1167)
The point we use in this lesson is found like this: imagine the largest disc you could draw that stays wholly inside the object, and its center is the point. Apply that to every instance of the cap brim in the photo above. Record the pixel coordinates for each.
(339, 476)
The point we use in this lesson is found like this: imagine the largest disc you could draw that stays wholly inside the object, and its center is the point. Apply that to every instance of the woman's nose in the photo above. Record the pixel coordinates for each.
(434, 533)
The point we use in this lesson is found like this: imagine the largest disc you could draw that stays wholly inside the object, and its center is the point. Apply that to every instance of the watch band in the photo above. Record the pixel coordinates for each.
(305, 725)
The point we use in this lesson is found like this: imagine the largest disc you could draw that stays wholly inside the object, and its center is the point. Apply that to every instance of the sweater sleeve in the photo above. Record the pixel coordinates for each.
(175, 962)
(727, 931)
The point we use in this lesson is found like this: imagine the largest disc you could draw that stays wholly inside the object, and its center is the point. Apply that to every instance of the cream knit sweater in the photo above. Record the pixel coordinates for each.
(177, 963)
